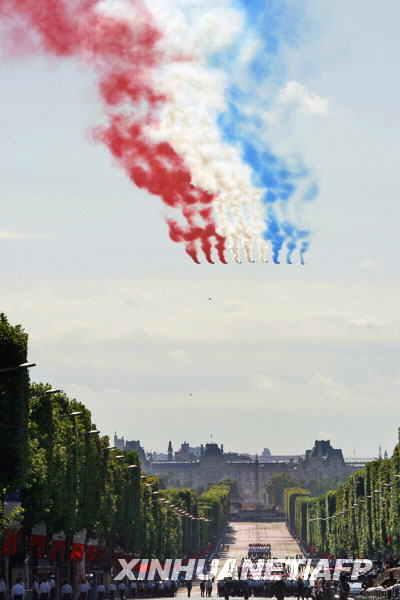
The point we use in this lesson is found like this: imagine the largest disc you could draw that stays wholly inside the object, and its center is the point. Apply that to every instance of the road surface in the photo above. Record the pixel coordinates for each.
(240, 534)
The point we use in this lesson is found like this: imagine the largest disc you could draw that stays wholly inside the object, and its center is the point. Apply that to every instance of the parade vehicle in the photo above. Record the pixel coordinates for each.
(356, 588)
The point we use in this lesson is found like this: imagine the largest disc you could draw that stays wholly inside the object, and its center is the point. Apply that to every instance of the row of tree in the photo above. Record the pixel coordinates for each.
(359, 518)
(70, 479)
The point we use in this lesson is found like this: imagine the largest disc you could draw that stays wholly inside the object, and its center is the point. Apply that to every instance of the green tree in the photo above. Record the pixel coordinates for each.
(276, 488)
(14, 388)
(233, 486)
(359, 518)
(290, 496)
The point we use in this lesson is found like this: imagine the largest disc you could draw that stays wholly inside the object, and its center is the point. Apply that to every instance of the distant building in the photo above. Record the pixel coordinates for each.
(123, 444)
(236, 456)
(285, 458)
(321, 462)
(170, 452)
(187, 453)
(135, 445)
(322, 450)
(119, 442)
(266, 455)
(160, 456)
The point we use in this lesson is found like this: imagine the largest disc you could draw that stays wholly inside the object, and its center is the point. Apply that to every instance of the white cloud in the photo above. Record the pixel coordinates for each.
(265, 383)
(14, 235)
(328, 387)
(180, 357)
(367, 322)
(165, 311)
(299, 97)
(324, 435)
(369, 264)
(249, 49)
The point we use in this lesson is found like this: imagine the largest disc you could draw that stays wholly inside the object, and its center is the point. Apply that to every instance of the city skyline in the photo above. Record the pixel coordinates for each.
(122, 440)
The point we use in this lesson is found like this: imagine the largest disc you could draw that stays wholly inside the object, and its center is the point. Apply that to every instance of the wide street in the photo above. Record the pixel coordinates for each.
(238, 536)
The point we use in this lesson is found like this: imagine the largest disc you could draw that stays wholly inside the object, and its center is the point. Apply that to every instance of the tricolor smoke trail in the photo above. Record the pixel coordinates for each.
(184, 84)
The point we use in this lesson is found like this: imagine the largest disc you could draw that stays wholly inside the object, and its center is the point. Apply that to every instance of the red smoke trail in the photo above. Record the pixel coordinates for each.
(123, 55)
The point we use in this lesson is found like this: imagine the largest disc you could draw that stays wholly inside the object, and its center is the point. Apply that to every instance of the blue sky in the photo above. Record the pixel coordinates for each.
(118, 316)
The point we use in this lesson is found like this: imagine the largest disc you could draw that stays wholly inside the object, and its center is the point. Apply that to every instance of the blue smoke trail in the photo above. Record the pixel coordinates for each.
(275, 24)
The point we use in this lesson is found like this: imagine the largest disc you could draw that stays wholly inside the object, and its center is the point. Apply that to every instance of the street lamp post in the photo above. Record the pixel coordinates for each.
(26, 365)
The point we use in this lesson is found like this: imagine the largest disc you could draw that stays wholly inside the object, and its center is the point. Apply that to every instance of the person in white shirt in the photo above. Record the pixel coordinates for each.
(52, 584)
(112, 588)
(44, 590)
(133, 589)
(83, 591)
(122, 590)
(2, 588)
(66, 591)
(101, 591)
(35, 589)
(18, 590)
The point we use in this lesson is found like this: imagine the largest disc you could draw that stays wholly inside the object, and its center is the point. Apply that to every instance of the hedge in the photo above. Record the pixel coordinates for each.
(360, 518)
(290, 495)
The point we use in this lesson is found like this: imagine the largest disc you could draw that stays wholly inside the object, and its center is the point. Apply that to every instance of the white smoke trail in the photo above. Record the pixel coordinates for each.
(193, 29)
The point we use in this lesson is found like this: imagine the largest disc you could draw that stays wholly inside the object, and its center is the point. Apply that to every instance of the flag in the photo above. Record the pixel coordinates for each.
(91, 549)
(10, 541)
(78, 545)
(58, 546)
(39, 538)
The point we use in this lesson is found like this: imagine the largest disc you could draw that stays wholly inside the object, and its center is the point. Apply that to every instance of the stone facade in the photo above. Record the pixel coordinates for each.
(123, 444)
(252, 476)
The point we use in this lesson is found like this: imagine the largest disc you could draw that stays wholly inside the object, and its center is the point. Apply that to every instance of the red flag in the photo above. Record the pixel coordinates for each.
(10, 542)
(91, 552)
(39, 541)
(77, 551)
(100, 556)
(57, 547)
(78, 545)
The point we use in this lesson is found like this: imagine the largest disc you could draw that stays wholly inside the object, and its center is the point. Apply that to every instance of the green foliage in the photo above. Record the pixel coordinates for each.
(75, 482)
(12, 519)
(233, 486)
(320, 486)
(359, 518)
(14, 387)
(215, 505)
(290, 496)
(71, 480)
(276, 488)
